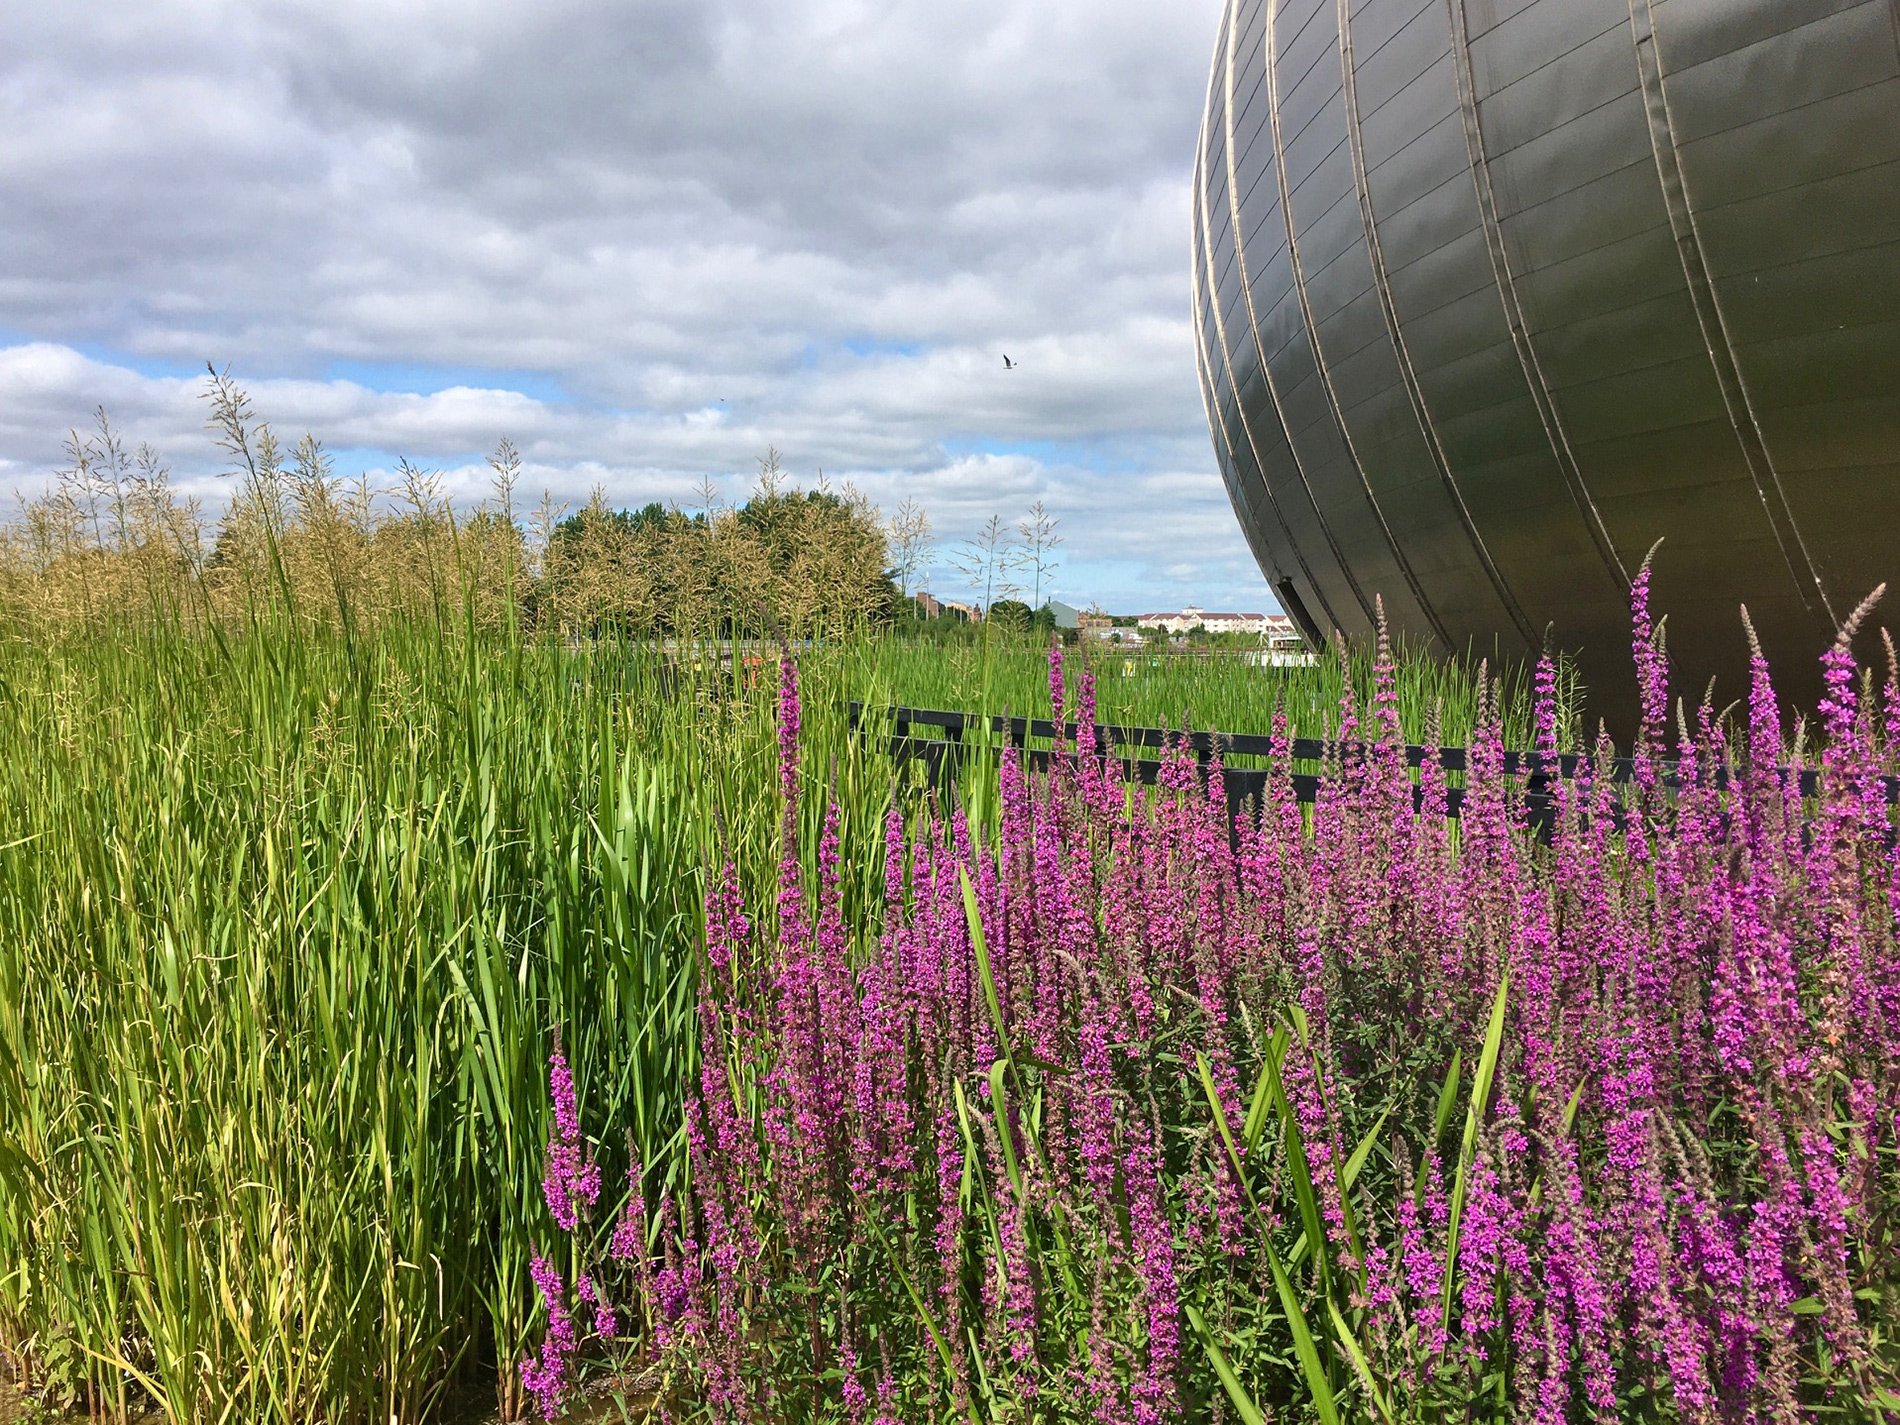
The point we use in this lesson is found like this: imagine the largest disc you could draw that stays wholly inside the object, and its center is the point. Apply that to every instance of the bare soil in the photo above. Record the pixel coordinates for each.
(13, 1410)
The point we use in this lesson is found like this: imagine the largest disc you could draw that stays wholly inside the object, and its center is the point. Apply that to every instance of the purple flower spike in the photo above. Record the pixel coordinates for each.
(570, 1181)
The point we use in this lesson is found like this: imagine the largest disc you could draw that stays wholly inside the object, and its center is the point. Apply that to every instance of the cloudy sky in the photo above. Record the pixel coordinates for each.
(645, 241)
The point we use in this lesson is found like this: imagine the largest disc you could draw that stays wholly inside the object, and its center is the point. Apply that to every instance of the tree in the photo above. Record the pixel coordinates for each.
(111, 535)
(1011, 614)
(826, 553)
(593, 572)
(771, 472)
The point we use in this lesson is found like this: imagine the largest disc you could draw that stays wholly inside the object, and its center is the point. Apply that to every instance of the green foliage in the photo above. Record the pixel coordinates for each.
(319, 825)
(1224, 691)
(112, 541)
(286, 927)
(288, 920)
(1011, 615)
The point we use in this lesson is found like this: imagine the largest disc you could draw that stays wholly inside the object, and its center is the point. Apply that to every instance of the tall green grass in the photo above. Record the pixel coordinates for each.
(289, 921)
(1221, 690)
(286, 928)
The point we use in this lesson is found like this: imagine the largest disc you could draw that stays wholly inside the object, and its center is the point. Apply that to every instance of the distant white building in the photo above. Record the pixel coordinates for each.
(1282, 632)
(1191, 618)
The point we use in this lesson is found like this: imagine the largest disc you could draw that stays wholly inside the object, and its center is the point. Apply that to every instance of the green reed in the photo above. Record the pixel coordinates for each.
(285, 932)
(1222, 689)
(289, 920)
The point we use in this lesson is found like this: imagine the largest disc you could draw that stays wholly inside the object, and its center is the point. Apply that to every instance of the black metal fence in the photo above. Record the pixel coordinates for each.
(943, 753)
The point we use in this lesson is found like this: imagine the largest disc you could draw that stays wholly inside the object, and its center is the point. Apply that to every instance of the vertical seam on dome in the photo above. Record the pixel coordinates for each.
(1217, 424)
(1203, 276)
(1224, 61)
(1716, 340)
(1203, 363)
(1388, 308)
(1312, 332)
(1534, 380)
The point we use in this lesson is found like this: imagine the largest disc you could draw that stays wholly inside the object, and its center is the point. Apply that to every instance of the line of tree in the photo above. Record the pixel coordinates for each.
(791, 559)
(113, 538)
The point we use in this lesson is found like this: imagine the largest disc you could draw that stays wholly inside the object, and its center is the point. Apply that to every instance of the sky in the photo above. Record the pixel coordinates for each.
(645, 242)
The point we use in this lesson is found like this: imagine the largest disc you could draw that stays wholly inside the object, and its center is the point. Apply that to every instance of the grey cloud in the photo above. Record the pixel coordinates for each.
(834, 214)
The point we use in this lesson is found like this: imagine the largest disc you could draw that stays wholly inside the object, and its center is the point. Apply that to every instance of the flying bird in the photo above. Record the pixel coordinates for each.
(1008, 365)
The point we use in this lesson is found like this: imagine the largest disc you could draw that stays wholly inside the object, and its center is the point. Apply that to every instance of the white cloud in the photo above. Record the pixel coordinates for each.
(643, 241)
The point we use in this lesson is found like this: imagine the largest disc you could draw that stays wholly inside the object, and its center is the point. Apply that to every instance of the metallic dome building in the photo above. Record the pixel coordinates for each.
(1493, 294)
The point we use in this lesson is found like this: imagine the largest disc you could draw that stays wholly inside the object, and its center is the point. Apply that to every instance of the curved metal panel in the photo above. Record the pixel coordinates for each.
(1403, 368)
(1715, 334)
(1330, 589)
(1244, 352)
(1507, 289)
(1256, 501)
(1267, 536)
(1452, 323)
(1225, 392)
(1784, 198)
(1327, 429)
(1492, 294)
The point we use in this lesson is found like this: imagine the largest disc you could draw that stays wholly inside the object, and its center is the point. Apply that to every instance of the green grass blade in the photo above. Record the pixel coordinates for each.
(1260, 1109)
(1343, 1334)
(1243, 1403)
(1474, 1118)
(1305, 1349)
(1304, 1193)
(980, 948)
(1226, 1135)
(1447, 1096)
(924, 1313)
(1350, 1173)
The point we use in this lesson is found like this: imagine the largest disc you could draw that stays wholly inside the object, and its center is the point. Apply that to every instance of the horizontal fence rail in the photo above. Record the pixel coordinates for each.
(1540, 771)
